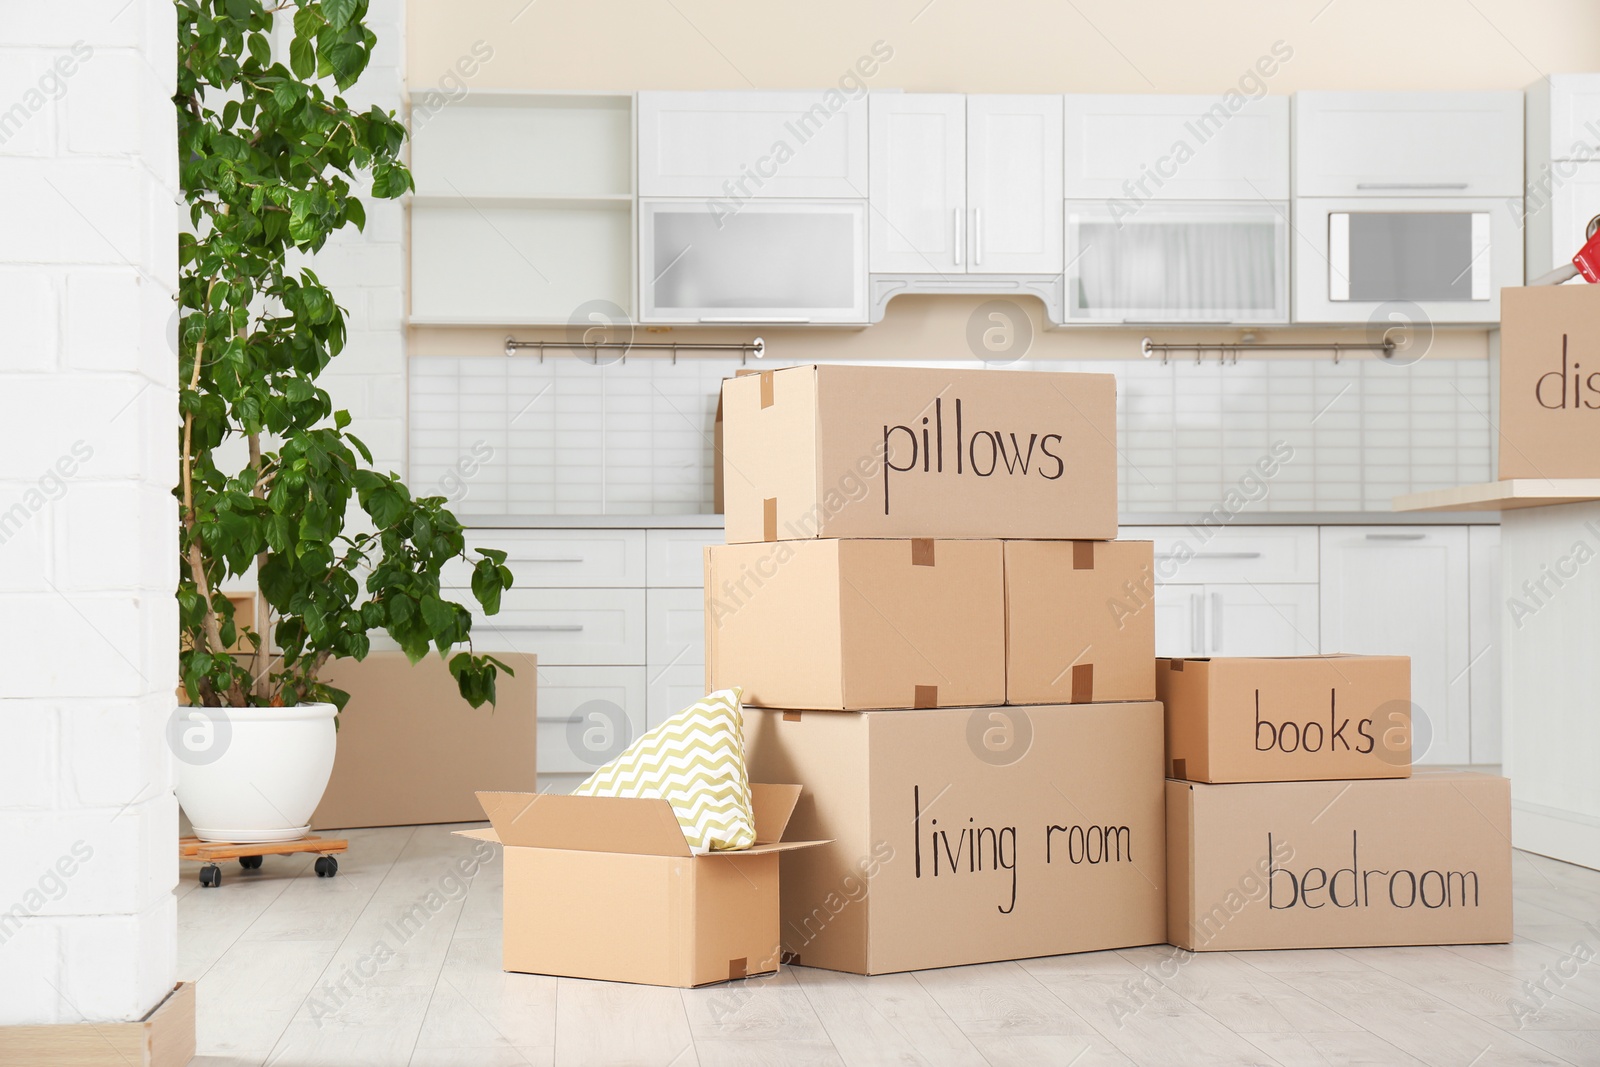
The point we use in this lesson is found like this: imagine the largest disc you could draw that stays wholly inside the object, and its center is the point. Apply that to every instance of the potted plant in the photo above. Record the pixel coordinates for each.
(268, 468)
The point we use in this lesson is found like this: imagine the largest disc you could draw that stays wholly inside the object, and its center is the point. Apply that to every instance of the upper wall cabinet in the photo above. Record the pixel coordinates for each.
(1155, 147)
(965, 184)
(735, 146)
(1408, 144)
(1563, 169)
(524, 208)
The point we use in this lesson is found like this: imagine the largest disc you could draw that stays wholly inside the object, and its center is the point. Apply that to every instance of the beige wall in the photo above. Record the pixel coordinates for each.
(1169, 46)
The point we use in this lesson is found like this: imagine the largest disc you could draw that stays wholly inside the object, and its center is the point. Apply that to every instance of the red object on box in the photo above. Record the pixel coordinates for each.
(1588, 259)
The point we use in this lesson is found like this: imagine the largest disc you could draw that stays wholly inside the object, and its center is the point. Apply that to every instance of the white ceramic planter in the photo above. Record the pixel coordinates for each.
(253, 774)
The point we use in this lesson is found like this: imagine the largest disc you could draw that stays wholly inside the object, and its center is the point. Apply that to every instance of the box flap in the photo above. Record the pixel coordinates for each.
(645, 827)
(482, 833)
(762, 848)
(772, 805)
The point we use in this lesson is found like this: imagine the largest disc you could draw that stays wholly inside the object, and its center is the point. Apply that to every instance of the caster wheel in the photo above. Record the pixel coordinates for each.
(327, 866)
(210, 876)
(250, 863)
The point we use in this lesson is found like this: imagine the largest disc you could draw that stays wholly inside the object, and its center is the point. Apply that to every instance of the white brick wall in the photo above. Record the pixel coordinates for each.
(88, 526)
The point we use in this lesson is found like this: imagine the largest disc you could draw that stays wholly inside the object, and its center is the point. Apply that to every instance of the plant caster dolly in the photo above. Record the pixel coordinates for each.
(210, 876)
(326, 866)
(250, 863)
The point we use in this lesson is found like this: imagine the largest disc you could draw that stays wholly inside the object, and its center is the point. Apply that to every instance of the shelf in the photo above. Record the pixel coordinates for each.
(1503, 496)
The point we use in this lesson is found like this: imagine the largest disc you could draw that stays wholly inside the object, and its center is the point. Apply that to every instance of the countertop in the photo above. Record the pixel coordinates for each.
(1244, 518)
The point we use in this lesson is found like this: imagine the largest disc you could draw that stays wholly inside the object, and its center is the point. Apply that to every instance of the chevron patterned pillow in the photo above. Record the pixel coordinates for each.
(695, 762)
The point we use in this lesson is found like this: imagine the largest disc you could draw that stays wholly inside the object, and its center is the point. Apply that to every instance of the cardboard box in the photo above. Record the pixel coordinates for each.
(1418, 861)
(606, 888)
(1287, 719)
(163, 1038)
(847, 451)
(848, 625)
(1080, 621)
(411, 751)
(968, 835)
(1550, 382)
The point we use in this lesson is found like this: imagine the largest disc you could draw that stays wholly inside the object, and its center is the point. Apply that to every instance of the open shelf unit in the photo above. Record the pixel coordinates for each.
(524, 210)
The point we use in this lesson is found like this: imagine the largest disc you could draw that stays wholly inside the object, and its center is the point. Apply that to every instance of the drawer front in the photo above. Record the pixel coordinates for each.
(542, 559)
(675, 559)
(675, 626)
(674, 688)
(1237, 554)
(588, 716)
(567, 626)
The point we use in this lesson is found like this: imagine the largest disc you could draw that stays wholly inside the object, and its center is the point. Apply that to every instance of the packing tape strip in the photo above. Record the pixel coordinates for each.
(1083, 555)
(925, 696)
(769, 519)
(766, 389)
(1083, 684)
(922, 551)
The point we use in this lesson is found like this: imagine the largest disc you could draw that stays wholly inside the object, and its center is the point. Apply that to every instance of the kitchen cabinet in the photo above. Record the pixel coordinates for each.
(1563, 117)
(1234, 555)
(1408, 144)
(1405, 590)
(770, 261)
(1446, 259)
(738, 145)
(1271, 619)
(1563, 168)
(965, 184)
(1160, 147)
(1215, 262)
(1486, 609)
(524, 208)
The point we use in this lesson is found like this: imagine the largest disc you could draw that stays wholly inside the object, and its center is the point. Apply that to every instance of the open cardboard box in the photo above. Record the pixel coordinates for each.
(606, 887)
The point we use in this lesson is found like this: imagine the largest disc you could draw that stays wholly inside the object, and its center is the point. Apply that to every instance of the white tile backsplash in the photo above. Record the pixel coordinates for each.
(635, 438)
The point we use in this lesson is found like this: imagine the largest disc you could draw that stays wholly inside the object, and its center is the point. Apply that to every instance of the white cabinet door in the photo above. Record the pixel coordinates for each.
(1483, 636)
(919, 182)
(1180, 620)
(1408, 144)
(674, 688)
(1165, 147)
(1204, 261)
(1235, 555)
(1558, 224)
(773, 261)
(675, 630)
(588, 716)
(1014, 174)
(1261, 620)
(676, 558)
(1403, 590)
(1564, 117)
(733, 146)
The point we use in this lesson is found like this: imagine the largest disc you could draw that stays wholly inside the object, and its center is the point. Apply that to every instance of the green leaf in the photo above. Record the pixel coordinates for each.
(302, 57)
(338, 12)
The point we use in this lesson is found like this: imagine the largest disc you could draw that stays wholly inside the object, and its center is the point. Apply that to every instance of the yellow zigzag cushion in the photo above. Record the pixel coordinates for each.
(695, 762)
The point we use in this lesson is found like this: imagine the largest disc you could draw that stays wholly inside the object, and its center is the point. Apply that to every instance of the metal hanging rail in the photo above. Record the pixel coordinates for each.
(1148, 348)
(757, 347)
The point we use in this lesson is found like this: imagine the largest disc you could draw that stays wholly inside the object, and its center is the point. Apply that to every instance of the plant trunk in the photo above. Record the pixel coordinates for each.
(261, 661)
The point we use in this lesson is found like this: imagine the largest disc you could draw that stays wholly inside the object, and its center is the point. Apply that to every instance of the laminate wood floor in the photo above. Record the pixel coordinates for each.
(289, 976)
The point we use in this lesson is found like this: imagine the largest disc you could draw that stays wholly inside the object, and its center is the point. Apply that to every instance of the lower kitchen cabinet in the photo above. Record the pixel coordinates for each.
(1236, 619)
(587, 716)
(673, 688)
(1405, 590)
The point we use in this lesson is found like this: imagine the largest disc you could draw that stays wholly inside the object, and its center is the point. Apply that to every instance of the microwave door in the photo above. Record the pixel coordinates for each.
(1419, 256)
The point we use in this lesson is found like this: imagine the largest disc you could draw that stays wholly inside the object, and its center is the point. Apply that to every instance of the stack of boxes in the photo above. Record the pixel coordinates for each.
(1294, 819)
(938, 637)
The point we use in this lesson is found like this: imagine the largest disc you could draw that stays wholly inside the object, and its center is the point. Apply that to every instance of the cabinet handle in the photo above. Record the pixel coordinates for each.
(1186, 320)
(1410, 185)
(1216, 622)
(1211, 555)
(1396, 536)
(1197, 625)
(563, 719)
(551, 628)
(550, 559)
(977, 236)
(955, 233)
(752, 318)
